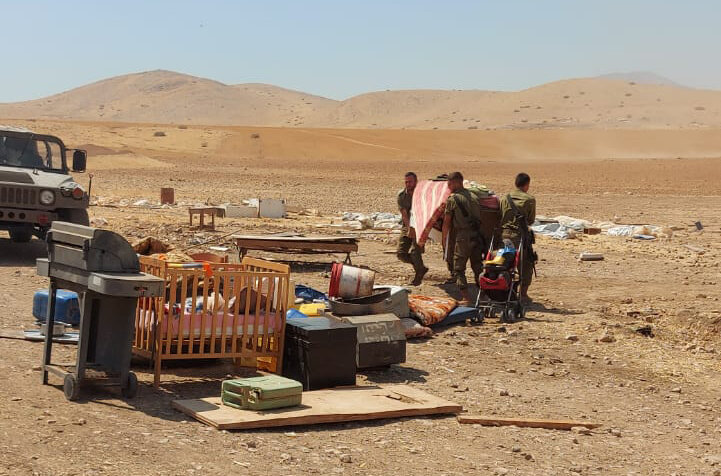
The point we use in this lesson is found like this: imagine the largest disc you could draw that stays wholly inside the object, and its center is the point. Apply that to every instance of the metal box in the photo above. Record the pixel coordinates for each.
(381, 340)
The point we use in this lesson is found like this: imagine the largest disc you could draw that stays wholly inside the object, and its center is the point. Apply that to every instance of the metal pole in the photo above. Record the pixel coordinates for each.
(50, 323)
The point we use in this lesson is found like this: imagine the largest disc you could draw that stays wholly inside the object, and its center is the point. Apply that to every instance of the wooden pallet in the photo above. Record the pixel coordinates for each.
(323, 406)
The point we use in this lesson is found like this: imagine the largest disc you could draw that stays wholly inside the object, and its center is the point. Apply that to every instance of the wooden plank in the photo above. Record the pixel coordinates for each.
(297, 245)
(323, 406)
(525, 423)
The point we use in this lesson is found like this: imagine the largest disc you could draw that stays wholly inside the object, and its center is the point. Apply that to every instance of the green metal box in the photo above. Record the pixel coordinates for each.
(262, 393)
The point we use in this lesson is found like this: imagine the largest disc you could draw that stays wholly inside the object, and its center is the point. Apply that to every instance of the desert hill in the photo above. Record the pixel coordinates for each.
(168, 97)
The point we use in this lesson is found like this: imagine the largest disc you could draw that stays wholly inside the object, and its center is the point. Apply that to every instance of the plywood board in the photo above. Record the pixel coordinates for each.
(525, 422)
(323, 406)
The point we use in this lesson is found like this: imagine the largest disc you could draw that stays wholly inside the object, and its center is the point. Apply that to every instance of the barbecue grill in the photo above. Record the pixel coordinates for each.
(104, 270)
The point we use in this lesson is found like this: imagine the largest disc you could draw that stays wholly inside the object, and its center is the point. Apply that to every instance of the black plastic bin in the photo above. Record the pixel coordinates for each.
(320, 352)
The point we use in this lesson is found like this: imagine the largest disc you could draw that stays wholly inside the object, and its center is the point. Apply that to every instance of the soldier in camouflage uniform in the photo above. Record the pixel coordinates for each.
(408, 251)
(463, 219)
(511, 225)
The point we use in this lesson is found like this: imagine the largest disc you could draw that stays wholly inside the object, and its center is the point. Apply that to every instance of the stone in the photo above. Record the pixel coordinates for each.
(607, 337)
(503, 393)
(581, 430)
(516, 449)
(615, 432)
(572, 337)
(676, 390)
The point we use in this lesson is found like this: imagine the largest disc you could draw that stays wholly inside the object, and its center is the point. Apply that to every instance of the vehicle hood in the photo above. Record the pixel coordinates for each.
(40, 178)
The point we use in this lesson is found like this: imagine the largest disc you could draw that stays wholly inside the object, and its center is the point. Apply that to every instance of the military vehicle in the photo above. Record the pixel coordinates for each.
(35, 185)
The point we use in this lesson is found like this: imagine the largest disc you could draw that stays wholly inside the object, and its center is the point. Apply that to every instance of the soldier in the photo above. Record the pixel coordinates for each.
(518, 212)
(408, 251)
(463, 219)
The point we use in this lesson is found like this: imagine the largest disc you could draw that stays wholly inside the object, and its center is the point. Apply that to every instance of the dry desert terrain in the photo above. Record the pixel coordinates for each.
(656, 398)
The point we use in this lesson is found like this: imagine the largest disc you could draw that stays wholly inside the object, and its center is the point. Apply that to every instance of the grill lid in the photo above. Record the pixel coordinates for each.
(90, 249)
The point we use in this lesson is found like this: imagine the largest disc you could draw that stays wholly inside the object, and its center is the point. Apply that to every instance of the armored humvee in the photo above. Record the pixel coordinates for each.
(35, 185)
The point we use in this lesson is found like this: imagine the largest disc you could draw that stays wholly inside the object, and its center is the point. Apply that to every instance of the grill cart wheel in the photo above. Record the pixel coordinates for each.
(130, 389)
(71, 389)
(20, 235)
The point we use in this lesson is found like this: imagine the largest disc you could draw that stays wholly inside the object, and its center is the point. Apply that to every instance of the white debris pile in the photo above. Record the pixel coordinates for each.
(375, 221)
(564, 227)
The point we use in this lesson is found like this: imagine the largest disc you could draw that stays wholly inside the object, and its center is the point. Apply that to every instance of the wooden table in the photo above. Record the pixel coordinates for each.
(201, 212)
(285, 243)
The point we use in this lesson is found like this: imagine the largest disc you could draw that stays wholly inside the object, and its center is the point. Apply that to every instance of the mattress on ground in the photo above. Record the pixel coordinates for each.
(457, 316)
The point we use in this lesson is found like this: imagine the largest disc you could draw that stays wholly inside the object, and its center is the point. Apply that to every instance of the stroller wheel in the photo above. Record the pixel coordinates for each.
(478, 318)
(520, 311)
(509, 315)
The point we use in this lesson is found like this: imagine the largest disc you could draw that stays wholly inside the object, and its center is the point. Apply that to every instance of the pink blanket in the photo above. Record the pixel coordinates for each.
(198, 321)
(429, 203)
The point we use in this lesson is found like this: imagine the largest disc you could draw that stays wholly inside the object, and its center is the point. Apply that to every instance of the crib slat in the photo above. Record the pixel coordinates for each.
(181, 315)
(235, 293)
(257, 309)
(268, 308)
(216, 293)
(204, 316)
(173, 280)
(246, 312)
(193, 314)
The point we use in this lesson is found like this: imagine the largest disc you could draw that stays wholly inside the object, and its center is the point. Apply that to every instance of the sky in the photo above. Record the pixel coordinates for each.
(341, 48)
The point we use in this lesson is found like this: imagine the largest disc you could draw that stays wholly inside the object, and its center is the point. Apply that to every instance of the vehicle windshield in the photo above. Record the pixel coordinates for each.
(29, 152)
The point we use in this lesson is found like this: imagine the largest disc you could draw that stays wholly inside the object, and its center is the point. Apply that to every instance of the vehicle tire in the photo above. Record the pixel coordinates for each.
(78, 216)
(130, 389)
(71, 389)
(20, 235)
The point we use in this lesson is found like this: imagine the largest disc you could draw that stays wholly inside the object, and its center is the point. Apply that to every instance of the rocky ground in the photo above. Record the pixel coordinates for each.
(584, 352)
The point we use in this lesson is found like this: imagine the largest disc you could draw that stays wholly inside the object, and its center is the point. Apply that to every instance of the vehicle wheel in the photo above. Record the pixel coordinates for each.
(71, 389)
(20, 235)
(131, 386)
(78, 216)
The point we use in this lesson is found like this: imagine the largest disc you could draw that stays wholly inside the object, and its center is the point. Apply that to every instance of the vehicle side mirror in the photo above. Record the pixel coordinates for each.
(80, 159)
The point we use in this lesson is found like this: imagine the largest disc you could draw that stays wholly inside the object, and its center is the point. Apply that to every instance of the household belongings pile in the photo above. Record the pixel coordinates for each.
(417, 313)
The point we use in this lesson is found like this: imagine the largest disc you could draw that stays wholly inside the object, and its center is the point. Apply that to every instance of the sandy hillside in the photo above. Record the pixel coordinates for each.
(571, 103)
(165, 96)
(168, 97)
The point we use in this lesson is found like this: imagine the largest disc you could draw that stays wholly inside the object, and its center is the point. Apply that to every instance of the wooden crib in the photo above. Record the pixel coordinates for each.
(214, 311)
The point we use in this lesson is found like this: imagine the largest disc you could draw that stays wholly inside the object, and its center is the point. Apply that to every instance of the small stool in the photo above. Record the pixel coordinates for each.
(201, 212)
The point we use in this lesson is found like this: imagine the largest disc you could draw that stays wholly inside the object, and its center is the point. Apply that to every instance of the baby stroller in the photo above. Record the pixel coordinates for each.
(500, 284)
